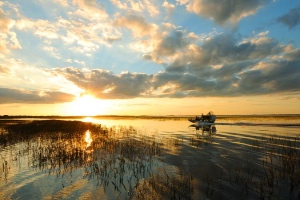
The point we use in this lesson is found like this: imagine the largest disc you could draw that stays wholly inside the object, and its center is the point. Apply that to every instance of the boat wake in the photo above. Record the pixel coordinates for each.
(259, 124)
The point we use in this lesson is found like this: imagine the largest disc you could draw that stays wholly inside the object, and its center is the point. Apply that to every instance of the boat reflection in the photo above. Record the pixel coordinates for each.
(205, 129)
(204, 135)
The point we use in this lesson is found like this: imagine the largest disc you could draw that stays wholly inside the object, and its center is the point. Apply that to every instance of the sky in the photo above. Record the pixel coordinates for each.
(149, 57)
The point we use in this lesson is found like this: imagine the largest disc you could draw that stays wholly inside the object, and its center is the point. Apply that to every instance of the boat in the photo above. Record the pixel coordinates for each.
(206, 123)
(203, 120)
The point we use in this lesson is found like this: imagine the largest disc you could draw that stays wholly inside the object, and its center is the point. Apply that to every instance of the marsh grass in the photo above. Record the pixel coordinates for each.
(118, 158)
(278, 174)
(128, 164)
(164, 185)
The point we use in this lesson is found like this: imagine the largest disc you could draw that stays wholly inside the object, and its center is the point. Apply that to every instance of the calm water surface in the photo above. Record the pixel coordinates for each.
(242, 159)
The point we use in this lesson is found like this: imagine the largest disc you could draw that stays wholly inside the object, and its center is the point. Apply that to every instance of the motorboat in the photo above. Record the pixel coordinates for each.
(206, 123)
(203, 120)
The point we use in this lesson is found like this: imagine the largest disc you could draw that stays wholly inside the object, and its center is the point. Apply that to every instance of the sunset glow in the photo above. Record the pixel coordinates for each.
(149, 57)
(86, 105)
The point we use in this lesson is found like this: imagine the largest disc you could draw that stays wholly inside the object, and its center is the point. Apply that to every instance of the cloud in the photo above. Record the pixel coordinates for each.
(171, 43)
(15, 74)
(4, 69)
(223, 49)
(8, 39)
(62, 2)
(91, 9)
(141, 6)
(167, 44)
(8, 95)
(106, 85)
(236, 70)
(291, 19)
(293, 54)
(226, 66)
(224, 11)
(83, 36)
(274, 78)
(4, 21)
(169, 7)
(137, 24)
(208, 64)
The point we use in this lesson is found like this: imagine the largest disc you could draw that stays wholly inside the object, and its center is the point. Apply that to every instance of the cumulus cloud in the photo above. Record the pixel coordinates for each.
(8, 95)
(92, 8)
(82, 36)
(224, 11)
(225, 49)
(168, 44)
(273, 78)
(171, 43)
(206, 70)
(137, 24)
(104, 84)
(208, 64)
(226, 66)
(137, 6)
(4, 21)
(291, 19)
(15, 74)
(8, 39)
(4, 69)
(62, 2)
(169, 7)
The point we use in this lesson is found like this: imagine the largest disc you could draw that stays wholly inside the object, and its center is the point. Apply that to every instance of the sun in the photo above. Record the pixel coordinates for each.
(86, 105)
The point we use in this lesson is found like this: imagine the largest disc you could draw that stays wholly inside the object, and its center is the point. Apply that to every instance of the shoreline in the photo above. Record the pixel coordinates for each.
(150, 117)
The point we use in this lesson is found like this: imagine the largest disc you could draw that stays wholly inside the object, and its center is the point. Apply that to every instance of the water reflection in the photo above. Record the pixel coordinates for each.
(124, 162)
(205, 129)
(203, 134)
(88, 139)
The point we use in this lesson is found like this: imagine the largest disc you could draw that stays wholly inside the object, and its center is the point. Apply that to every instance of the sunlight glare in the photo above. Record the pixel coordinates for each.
(88, 139)
(87, 105)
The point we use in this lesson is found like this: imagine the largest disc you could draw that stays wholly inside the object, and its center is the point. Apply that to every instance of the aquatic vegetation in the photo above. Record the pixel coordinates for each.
(126, 163)
(111, 156)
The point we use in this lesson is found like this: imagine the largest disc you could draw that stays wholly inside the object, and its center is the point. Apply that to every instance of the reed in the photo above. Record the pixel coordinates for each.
(129, 164)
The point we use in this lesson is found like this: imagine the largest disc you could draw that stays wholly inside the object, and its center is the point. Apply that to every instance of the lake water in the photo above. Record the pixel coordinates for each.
(237, 158)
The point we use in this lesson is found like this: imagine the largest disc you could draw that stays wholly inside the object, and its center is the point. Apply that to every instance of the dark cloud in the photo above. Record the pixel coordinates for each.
(225, 66)
(225, 48)
(274, 77)
(112, 39)
(171, 43)
(226, 51)
(224, 11)
(291, 19)
(8, 95)
(147, 57)
(293, 55)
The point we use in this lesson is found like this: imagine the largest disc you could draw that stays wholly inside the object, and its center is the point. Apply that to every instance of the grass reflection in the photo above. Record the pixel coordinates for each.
(126, 163)
(115, 158)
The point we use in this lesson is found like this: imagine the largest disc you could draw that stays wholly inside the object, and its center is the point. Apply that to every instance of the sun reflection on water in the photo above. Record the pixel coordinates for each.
(88, 139)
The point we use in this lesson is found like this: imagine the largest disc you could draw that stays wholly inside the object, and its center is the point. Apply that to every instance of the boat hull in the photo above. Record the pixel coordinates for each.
(203, 123)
